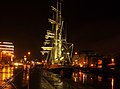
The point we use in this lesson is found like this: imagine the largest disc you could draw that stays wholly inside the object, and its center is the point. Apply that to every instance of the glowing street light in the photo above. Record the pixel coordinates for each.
(112, 60)
(75, 52)
(29, 53)
(29, 56)
(25, 58)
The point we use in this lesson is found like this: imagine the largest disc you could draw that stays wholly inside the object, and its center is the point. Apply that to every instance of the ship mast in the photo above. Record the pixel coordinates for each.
(55, 34)
(58, 49)
(58, 32)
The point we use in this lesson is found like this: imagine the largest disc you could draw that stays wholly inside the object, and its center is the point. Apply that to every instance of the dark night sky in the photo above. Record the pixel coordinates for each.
(90, 24)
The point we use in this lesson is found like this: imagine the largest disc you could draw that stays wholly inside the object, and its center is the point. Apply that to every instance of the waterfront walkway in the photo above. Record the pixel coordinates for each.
(42, 79)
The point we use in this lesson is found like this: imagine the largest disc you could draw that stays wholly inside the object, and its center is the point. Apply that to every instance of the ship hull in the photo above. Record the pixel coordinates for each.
(62, 71)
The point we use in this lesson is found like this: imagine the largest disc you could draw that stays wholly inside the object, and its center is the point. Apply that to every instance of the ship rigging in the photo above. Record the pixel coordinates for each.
(58, 50)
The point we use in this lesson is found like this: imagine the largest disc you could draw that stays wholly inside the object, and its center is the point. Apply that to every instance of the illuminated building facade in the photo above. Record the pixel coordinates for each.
(6, 52)
(75, 60)
(89, 59)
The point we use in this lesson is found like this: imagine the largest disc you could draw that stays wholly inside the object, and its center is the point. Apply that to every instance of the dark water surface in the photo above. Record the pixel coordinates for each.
(79, 80)
(17, 77)
(96, 81)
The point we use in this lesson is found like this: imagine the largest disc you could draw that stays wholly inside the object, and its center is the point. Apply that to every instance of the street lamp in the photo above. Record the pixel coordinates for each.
(25, 58)
(29, 55)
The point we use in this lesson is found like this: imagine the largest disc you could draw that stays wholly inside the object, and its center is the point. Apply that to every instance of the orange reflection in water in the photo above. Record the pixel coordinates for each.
(5, 73)
(75, 76)
(86, 78)
(112, 83)
(99, 78)
(79, 77)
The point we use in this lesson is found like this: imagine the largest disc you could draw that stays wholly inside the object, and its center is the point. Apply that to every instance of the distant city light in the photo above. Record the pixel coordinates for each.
(75, 52)
(68, 53)
(25, 58)
(29, 53)
(7, 46)
(91, 65)
(112, 60)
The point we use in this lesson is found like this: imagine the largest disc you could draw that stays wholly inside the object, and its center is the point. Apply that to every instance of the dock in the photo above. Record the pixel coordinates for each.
(43, 79)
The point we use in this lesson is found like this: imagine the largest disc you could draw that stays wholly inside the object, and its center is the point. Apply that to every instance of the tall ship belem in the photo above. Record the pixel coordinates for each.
(56, 50)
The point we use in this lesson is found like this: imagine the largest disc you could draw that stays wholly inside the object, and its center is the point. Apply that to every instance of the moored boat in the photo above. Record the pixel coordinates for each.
(56, 50)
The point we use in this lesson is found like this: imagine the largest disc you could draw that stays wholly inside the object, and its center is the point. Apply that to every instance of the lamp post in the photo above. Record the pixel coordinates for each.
(29, 56)
(25, 59)
(29, 53)
(25, 62)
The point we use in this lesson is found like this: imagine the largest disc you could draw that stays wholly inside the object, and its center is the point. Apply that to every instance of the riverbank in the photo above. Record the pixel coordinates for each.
(99, 70)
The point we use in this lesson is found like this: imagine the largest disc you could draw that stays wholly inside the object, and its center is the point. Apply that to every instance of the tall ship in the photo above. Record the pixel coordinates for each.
(57, 51)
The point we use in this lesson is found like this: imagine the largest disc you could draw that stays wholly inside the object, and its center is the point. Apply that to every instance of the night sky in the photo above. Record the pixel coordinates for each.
(90, 25)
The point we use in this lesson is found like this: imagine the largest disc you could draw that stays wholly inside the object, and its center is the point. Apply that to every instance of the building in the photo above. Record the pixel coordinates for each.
(90, 59)
(6, 52)
(75, 60)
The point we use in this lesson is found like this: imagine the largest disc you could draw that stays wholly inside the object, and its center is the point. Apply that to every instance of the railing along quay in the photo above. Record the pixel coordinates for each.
(10, 81)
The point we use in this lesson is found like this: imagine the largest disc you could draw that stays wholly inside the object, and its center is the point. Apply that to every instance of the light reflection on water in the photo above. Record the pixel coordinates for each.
(93, 80)
(79, 77)
(97, 81)
(7, 72)
(112, 83)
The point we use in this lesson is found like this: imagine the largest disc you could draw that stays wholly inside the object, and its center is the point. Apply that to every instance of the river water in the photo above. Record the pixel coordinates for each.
(5, 73)
(79, 80)
(96, 81)
(18, 76)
